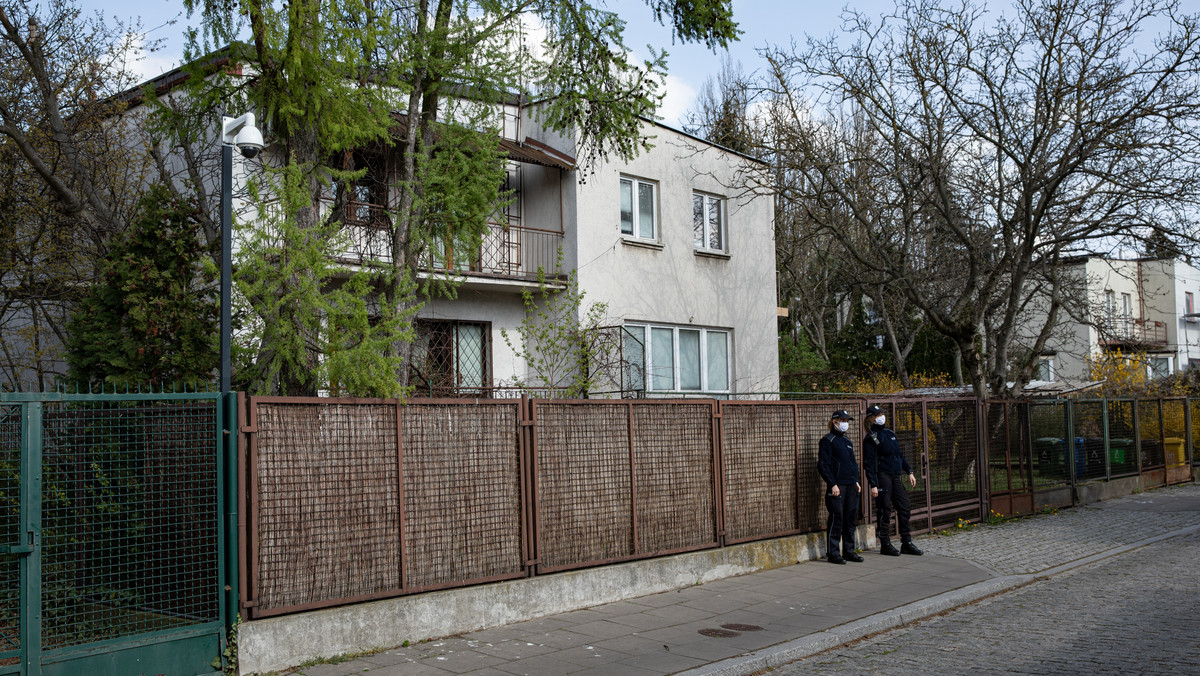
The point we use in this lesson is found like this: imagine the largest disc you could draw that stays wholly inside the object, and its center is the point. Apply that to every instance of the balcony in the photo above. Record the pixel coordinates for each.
(1126, 332)
(507, 252)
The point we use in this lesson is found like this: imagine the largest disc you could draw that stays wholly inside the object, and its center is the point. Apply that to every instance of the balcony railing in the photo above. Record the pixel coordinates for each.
(506, 251)
(1126, 331)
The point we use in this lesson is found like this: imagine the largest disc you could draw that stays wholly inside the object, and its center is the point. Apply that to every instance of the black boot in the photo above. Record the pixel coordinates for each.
(887, 549)
(910, 548)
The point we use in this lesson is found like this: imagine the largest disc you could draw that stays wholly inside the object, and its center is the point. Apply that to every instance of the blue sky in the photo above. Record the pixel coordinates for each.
(763, 22)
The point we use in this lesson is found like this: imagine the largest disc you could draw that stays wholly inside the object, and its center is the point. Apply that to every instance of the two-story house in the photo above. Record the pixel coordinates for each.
(683, 259)
(1133, 306)
(682, 256)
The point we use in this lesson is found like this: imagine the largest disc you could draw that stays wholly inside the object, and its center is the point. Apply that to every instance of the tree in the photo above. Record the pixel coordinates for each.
(566, 345)
(149, 317)
(68, 180)
(986, 148)
(420, 82)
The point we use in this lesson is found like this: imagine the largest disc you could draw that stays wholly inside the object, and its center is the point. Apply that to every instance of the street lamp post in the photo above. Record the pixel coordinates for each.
(242, 133)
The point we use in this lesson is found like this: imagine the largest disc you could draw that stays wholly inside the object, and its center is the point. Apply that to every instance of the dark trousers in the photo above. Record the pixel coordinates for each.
(843, 511)
(892, 497)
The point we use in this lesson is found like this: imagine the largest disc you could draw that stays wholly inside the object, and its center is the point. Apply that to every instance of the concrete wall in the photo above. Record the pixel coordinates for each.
(282, 642)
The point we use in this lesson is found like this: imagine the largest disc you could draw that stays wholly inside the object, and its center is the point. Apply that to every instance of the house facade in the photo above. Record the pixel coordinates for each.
(1132, 306)
(683, 260)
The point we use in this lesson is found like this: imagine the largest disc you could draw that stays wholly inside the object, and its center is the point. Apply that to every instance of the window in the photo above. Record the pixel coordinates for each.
(1189, 306)
(450, 357)
(708, 222)
(1045, 369)
(638, 209)
(1160, 367)
(676, 359)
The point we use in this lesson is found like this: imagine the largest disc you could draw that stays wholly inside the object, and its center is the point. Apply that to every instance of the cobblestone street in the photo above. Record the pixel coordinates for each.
(1132, 613)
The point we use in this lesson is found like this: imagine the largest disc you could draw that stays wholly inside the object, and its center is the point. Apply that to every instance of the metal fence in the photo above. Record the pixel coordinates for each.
(1039, 450)
(111, 533)
(351, 500)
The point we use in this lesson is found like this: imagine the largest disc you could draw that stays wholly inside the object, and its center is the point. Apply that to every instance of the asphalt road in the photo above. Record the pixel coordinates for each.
(1138, 612)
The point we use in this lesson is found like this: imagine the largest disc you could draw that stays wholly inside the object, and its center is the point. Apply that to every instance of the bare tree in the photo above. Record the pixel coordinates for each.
(984, 148)
(70, 178)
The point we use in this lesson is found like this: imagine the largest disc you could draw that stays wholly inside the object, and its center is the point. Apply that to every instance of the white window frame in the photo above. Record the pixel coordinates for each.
(722, 214)
(1049, 362)
(1155, 359)
(1189, 306)
(634, 186)
(648, 365)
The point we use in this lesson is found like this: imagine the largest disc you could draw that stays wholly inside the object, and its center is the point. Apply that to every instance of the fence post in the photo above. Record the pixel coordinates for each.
(983, 475)
(1107, 450)
(925, 464)
(1071, 449)
(1137, 438)
(633, 520)
(718, 456)
(31, 536)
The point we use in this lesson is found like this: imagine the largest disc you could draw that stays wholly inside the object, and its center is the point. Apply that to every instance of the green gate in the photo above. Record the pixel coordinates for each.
(115, 517)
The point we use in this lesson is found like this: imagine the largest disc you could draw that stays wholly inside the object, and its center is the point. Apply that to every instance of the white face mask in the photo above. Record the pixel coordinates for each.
(842, 426)
(881, 420)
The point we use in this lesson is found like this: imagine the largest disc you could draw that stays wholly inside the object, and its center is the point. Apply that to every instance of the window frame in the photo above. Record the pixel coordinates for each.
(1189, 306)
(635, 222)
(723, 222)
(644, 337)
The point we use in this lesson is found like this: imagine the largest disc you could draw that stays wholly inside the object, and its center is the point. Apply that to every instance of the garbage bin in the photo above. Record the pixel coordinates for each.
(1049, 451)
(1080, 456)
(1173, 451)
(1120, 451)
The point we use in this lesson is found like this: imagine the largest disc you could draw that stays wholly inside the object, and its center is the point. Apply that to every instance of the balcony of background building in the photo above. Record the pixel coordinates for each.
(1126, 332)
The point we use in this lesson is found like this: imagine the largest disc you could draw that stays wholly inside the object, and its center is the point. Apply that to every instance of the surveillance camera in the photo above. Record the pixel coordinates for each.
(249, 141)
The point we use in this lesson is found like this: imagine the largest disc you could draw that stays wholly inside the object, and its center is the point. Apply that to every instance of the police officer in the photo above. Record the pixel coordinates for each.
(838, 467)
(885, 465)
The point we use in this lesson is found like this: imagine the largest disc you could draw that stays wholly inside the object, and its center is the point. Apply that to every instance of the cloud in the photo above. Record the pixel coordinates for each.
(680, 96)
(144, 64)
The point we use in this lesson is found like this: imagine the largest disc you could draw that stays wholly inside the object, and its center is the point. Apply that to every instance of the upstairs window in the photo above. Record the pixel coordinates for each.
(708, 222)
(638, 209)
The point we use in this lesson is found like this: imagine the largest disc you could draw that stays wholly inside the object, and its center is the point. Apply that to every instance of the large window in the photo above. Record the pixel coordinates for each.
(708, 222)
(638, 209)
(451, 357)
(676, 359)
(1189, 306)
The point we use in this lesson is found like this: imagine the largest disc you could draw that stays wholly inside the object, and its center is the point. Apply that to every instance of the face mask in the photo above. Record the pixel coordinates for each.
(881, 420)
(842, 426)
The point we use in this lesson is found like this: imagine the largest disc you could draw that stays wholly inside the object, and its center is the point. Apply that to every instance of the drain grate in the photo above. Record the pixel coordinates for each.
(719, 633)
(742, 627)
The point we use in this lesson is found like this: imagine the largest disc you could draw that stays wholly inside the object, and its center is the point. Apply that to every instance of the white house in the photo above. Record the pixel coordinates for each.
(684, 261)
(1135, 306)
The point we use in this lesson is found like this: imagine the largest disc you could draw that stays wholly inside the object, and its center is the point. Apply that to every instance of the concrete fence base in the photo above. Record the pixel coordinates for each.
(281, 642)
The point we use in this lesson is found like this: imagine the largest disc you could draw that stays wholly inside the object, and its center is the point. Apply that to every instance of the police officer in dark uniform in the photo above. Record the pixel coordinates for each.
(885, 465)
(838, 467)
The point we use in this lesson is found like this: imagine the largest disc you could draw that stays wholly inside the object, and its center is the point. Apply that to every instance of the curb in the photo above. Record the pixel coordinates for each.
(806, 646)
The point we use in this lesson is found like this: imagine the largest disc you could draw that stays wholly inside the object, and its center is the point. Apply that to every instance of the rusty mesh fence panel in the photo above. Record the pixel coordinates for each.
(585, 496)
(328, 504)
(761, 465)
(997, 447)
(129, 518)
(1122, 444)
(814, 424)
(1087, 418)
(953, 456)
(462, 492)
(10, 532)
(1174, 432)
(1150, 433)
(910, 431)
(674, 475)
(1053, 444)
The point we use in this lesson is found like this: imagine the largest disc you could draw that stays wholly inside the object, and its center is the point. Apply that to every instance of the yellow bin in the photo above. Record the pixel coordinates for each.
(1173, 450)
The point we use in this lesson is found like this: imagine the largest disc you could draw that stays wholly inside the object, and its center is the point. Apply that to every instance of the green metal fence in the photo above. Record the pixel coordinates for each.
(114, 519)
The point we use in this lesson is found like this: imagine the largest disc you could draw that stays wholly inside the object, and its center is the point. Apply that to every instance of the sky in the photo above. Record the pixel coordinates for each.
(763, 23)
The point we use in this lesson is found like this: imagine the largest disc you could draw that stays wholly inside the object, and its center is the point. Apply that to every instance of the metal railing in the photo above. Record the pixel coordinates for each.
(1128, 331)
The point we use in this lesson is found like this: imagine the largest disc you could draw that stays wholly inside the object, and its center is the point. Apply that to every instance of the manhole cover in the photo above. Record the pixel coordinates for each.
(742, 627)
(719, 633)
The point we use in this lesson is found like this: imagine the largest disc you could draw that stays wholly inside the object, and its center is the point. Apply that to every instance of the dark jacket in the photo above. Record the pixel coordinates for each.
(836, 462)
(882, 455)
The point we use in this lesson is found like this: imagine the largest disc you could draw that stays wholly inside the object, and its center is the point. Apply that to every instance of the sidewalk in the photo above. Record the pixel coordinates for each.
(743, 624)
